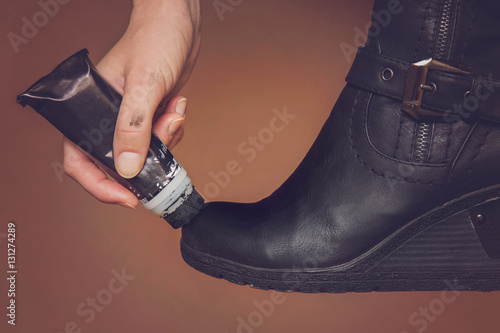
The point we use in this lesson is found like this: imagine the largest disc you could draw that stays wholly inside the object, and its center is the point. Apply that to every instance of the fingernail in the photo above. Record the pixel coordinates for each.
(128, 164)
(126, 205)
(180, 106)
(174, 126)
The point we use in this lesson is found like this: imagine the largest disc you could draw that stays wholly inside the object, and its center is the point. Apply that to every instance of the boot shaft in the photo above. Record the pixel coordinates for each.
(463, 32)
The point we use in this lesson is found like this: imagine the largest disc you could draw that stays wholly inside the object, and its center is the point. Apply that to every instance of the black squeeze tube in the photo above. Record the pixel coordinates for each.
(84, 107)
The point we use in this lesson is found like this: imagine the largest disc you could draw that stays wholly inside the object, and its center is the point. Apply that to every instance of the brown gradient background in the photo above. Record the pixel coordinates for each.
(264, 55)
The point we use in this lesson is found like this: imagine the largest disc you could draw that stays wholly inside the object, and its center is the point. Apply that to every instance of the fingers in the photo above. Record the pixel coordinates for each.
(143, 92)
(169, 126)
(81, 168)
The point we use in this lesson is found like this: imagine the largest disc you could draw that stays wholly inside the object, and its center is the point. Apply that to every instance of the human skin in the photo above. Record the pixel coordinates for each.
(148, 66)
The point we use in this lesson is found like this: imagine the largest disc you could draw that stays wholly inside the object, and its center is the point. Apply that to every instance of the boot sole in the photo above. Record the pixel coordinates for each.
(440, 250)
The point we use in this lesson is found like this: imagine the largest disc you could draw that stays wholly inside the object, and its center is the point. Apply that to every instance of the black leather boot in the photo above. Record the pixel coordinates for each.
(401, 190)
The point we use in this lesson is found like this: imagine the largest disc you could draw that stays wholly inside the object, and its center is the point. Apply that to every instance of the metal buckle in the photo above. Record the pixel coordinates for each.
(416, 85)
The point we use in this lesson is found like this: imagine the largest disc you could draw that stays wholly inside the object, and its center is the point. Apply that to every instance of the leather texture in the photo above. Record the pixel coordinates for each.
(360, 181)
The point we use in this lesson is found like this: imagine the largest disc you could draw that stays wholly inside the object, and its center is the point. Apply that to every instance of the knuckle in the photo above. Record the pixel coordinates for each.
(128, 130)
(129, 137)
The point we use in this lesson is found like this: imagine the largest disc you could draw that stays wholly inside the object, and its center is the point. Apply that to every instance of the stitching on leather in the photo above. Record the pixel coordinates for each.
(370, 89)
(412, 148)
(469, 32)
(384, 93)
(404, 63)
(437, 15)
(401, 118)
(380, 154)
(379, 55)
(431, 140)
(351, 137)
(419, 40)
(494, 120)
(480, 104)
(448, 139)
(455, 77)
(469, 171)
(454, 34)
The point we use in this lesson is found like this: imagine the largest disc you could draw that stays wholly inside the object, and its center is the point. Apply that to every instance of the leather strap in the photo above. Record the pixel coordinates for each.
(470, 97)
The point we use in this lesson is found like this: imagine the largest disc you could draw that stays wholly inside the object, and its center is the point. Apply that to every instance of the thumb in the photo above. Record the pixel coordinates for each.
(143, 92)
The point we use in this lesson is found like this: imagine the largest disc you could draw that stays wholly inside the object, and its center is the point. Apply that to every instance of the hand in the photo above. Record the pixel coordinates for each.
(148, 65)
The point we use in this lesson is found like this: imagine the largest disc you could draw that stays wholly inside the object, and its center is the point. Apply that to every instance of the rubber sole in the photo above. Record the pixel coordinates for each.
(440, 250)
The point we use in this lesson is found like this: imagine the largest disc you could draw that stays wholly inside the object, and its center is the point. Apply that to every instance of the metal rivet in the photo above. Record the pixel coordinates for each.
(480, 219)
(387, 74)
(430, 89)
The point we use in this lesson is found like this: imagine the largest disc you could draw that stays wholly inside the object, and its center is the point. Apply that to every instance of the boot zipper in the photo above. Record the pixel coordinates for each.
(423, 143)
(441, 47)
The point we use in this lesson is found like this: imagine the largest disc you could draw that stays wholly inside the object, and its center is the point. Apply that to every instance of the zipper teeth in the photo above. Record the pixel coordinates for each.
(423, 143)
(422, 146)
(444, 30)
(423, 131)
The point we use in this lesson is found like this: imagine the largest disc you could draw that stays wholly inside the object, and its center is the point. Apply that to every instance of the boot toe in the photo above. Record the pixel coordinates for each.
(221, 230)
